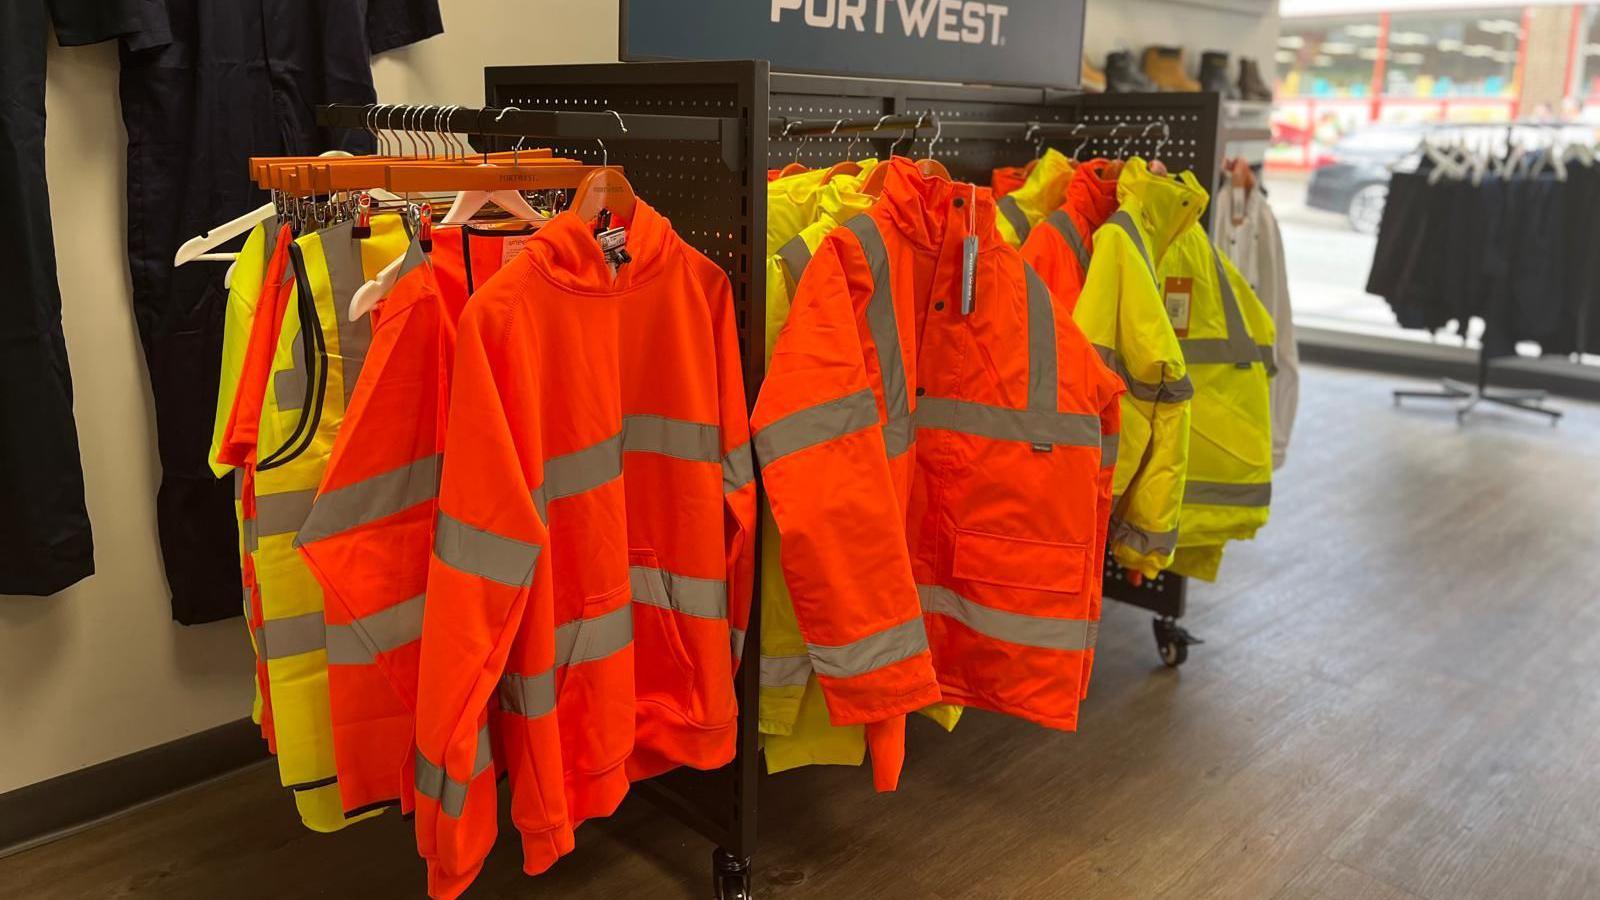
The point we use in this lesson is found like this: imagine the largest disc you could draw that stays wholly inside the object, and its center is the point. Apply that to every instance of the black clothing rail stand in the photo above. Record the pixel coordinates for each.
(1468, 396)
(696, 139)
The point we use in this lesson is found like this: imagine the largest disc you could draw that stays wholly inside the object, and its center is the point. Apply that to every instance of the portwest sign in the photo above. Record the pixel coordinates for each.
(975, 41)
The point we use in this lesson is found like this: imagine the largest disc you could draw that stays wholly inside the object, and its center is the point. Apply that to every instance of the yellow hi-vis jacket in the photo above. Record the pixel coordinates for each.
(1039, 196)
(314, 370)
(794, 724)
(1227, 338)
(1122, 310)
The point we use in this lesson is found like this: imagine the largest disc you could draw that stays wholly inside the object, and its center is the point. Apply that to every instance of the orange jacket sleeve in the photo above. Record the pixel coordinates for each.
(738, 464)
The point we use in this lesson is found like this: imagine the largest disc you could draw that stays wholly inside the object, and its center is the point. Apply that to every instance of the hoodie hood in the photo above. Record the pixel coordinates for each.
(566, 251)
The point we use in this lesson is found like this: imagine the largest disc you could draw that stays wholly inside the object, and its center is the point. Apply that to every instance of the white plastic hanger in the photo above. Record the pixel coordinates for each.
(198, 249)
(468, 203)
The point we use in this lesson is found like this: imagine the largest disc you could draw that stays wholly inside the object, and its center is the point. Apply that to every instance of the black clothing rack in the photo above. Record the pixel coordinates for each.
(696, 139)
(1468, 396)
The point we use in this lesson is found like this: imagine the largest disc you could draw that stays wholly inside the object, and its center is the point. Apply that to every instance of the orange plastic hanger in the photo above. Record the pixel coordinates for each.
(534, 175)
(605, 187)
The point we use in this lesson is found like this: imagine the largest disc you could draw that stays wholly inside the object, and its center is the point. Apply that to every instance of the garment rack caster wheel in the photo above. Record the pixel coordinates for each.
(1172, 641)
(730, 876)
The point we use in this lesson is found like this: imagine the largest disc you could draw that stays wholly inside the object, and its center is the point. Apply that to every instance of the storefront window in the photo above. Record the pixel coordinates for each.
(1328, 57)
(1455, 54)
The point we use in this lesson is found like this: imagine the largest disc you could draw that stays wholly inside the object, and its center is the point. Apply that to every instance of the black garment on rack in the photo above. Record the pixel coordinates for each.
(45, 541)
(205, 86)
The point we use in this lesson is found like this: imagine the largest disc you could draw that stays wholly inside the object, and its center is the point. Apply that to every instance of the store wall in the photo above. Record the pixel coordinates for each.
(1239, 27)
(100, 670)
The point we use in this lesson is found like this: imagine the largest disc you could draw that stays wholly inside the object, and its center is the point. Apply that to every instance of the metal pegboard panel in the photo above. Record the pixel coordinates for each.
(718, 210)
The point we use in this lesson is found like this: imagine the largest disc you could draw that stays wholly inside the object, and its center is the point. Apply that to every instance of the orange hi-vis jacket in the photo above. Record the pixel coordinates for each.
(1060, 248)
(370, 532)
(941, 479)
(593, 558)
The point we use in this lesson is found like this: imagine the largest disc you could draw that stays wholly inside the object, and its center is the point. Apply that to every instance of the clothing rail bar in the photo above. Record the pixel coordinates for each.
(889, 127)
(539, 123)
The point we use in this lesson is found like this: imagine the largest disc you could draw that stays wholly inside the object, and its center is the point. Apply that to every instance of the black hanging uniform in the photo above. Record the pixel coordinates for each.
(45, 543)
(205, 86)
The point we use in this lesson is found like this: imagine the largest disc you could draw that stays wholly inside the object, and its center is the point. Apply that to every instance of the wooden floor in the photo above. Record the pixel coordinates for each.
(1399, 697)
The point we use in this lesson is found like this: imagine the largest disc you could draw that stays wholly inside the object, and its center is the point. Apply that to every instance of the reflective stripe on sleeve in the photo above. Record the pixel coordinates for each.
(1166, 392)
(1006, 424)
(1269, 357)
(1043, 389)
(434, 782)
(371, 499)
(360, 642)
(1147, 543)
(577, 641)
(881, 320)
(703, 598)
(483, 553)
(736, 640)
(677, 438)
(1123, 220)
(1218, 493)
(1109, 444)
(292, 635)
(738, 468)
(1014, 628)
(1217, 351)
(796, 256)
(579, 471)
(282, 513)
(1009, 208)
(815, 425)
(1062, 223)
(875, 651)
(785, 671)
(898, 435)
(584, 470)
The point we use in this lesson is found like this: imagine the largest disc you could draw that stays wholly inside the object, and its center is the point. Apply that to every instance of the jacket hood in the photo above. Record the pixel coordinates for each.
(1163, 205)
(566, 251)
(929, 211)
(1047, 184)
(1093, 190)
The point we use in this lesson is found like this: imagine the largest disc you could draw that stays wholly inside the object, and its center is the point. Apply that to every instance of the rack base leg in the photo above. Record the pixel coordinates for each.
(730, 876)
(1172, 641)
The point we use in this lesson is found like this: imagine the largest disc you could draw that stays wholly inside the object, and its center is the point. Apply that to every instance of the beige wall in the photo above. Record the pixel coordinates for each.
(100, 670)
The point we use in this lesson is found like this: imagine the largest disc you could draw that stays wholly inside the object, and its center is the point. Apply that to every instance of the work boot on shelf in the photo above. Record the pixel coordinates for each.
(1251, 85)
(1214, 75)
(1164, 66)
(1091, 79)
(1123, 76)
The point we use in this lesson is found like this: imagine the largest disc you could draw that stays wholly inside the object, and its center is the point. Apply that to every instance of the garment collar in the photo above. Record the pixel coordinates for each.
(928, 211)
(565, 249)
(1046, 186)
(1093, 191)
(1164, 205)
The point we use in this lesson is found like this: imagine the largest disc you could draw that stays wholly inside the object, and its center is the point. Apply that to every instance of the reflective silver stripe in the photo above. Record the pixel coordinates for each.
(1109, 444)
(785, 671)
(433, 782)
(483, 553)
(815, 425)
(704, 598)
(1148, 543)
(1122, 220)
(269, 244)
(1167, 392)
(1244, 349)
(1215, 351)
(252, 537)
(529, 696)
(1269, 357)
(371, 499)
(796, 256)
(1009, 208)
(342, 252)
(670, 437)
(582, 470)
(738, 468)
(1094, 635)
(238, 484)
(881, 318)
(292, 635)
(586, 640)
(736, 639)
(898, 435)
(1218, 493)
(578, 641)
(873, 652)
(290, 384)
(1069, 233)
(1043, 388)
(1015, 628)
(283, 513)
(360, 642)
(1006, 424)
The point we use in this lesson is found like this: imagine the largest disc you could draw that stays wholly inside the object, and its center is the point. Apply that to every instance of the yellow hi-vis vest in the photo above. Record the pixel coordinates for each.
(1227, 338)
(1122, 310)
(314, 370)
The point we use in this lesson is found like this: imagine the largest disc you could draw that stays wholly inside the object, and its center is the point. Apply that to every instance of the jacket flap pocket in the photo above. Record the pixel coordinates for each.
(1020, 562)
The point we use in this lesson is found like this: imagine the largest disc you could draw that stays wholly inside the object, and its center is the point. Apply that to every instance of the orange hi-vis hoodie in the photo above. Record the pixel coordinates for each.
(592, 554)
(369, 535)
(941, 479)
(1059, 250)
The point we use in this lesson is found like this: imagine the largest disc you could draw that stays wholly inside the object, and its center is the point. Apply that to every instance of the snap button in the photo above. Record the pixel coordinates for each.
(960, 203)
(939, 305)
(921, 391)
